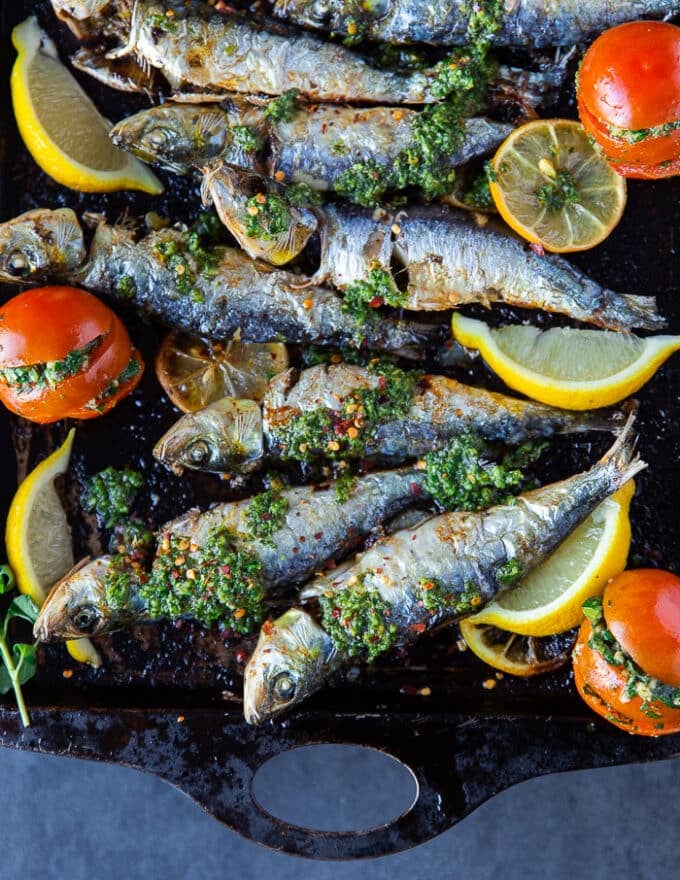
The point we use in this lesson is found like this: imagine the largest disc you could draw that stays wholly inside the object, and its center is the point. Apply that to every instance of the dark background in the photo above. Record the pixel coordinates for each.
(64, 818)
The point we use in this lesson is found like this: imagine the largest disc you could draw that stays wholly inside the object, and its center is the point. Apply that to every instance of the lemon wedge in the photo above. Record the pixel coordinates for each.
(38, 538)
(61, 127)
(195, 372)
(516, 654)
(552, 187)
(572, 369)
(548, 600)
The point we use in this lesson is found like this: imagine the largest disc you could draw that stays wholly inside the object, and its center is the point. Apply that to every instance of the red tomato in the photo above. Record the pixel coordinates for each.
(45, 326)
(630, 80)
(602, 686)
(642, 610)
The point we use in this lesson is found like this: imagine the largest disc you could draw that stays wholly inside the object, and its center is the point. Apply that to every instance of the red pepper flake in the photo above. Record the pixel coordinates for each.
(318, 536)
(295, 549)
(225, 570)
(335, 613)
(382, 383)
(302, 539)
(538, 249)
(418, 627)
(376, 302)
(242, 656)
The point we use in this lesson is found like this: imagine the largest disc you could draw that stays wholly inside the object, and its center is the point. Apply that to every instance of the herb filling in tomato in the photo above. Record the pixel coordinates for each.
(48, 375)
(638, 683)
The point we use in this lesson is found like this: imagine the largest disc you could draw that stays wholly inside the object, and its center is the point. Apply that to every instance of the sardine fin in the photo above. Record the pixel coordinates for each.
(621, 460)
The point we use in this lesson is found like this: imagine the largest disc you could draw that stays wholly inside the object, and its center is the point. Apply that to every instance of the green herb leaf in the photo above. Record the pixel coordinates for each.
(24, 608)
(7, 581)
(26, 661)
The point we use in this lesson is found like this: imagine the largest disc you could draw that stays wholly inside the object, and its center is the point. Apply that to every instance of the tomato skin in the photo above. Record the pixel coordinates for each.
(71, 317)
(46, 325)
(601, 685)
(642, 611)
(630, 79)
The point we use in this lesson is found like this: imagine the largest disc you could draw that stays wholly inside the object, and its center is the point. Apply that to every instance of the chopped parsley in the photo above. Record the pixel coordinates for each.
(345, 487)
(266, 514)
(301, 195)
(346, 432)
(559, 192)
(219, 582)
(188, 259)
(638, 682)
(283, 108)
(478, 195)
(267, 216)
(462, 476)
(126, 287)
(509, 573)
(50, 373)
(438, 599)
(358, 621)
(377, 289)
(111, 493)
(460, 83)
(246, 138)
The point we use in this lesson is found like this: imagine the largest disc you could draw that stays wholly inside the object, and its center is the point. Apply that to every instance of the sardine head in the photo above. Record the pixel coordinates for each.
(176, 136)
(293, 658)
(40, 244)
(224, 437)
(77, 605)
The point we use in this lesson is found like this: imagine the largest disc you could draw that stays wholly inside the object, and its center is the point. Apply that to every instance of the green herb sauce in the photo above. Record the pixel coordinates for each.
(438, 599)
(266, 217)
(301, 195)
(244, 137)
(126, 287)
(132, 369)
(266, 514)
(345, 433)
(345, 487)
(558, 193)
(189, 261)
(509, 573)
(358, 621)
(163, 22)
(636, 135)
(364, 297)
(638, 683)
(460, 83)
(283, 108)
(50, 373)
(463, 476)
(111, 493)
(478, 195)
(220, 582)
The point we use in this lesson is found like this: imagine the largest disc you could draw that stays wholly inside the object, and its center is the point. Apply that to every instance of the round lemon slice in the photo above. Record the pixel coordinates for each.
(196, 372)
(61, 127)
(552, 187)
(548, 600)
(38, 538)
(516, 654)
(572, 369)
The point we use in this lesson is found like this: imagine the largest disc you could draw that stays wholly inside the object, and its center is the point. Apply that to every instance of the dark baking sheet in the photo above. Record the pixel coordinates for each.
(167, 698)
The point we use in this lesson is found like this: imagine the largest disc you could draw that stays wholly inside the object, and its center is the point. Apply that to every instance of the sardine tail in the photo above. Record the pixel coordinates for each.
(642, 312)
(621, 461)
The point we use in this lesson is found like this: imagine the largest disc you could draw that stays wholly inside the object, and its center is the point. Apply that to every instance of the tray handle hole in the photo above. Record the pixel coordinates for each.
(335, 788)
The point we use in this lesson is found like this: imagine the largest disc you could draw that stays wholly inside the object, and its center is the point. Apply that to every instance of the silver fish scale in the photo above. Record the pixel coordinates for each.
(536, 23)
(214, 53)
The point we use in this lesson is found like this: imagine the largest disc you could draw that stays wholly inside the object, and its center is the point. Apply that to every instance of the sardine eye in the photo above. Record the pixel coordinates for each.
(85, 619)
(198, 453)
(157, 138)
(17, 264)
(283, 687)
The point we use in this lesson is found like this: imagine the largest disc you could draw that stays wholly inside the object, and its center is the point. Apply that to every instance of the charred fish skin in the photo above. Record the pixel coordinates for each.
(443, 570)
(211, 54)
(447, 260)
(439, 409)
(536, 23)
(318, 527)
(215, 294)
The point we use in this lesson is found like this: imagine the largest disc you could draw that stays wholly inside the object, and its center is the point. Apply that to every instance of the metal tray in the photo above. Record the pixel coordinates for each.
(166, 699)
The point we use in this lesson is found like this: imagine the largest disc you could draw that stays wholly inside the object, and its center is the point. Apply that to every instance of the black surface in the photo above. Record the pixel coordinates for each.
(463, 743)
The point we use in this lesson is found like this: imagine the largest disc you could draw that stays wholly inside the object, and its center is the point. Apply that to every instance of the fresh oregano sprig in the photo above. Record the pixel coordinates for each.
(19, 660)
